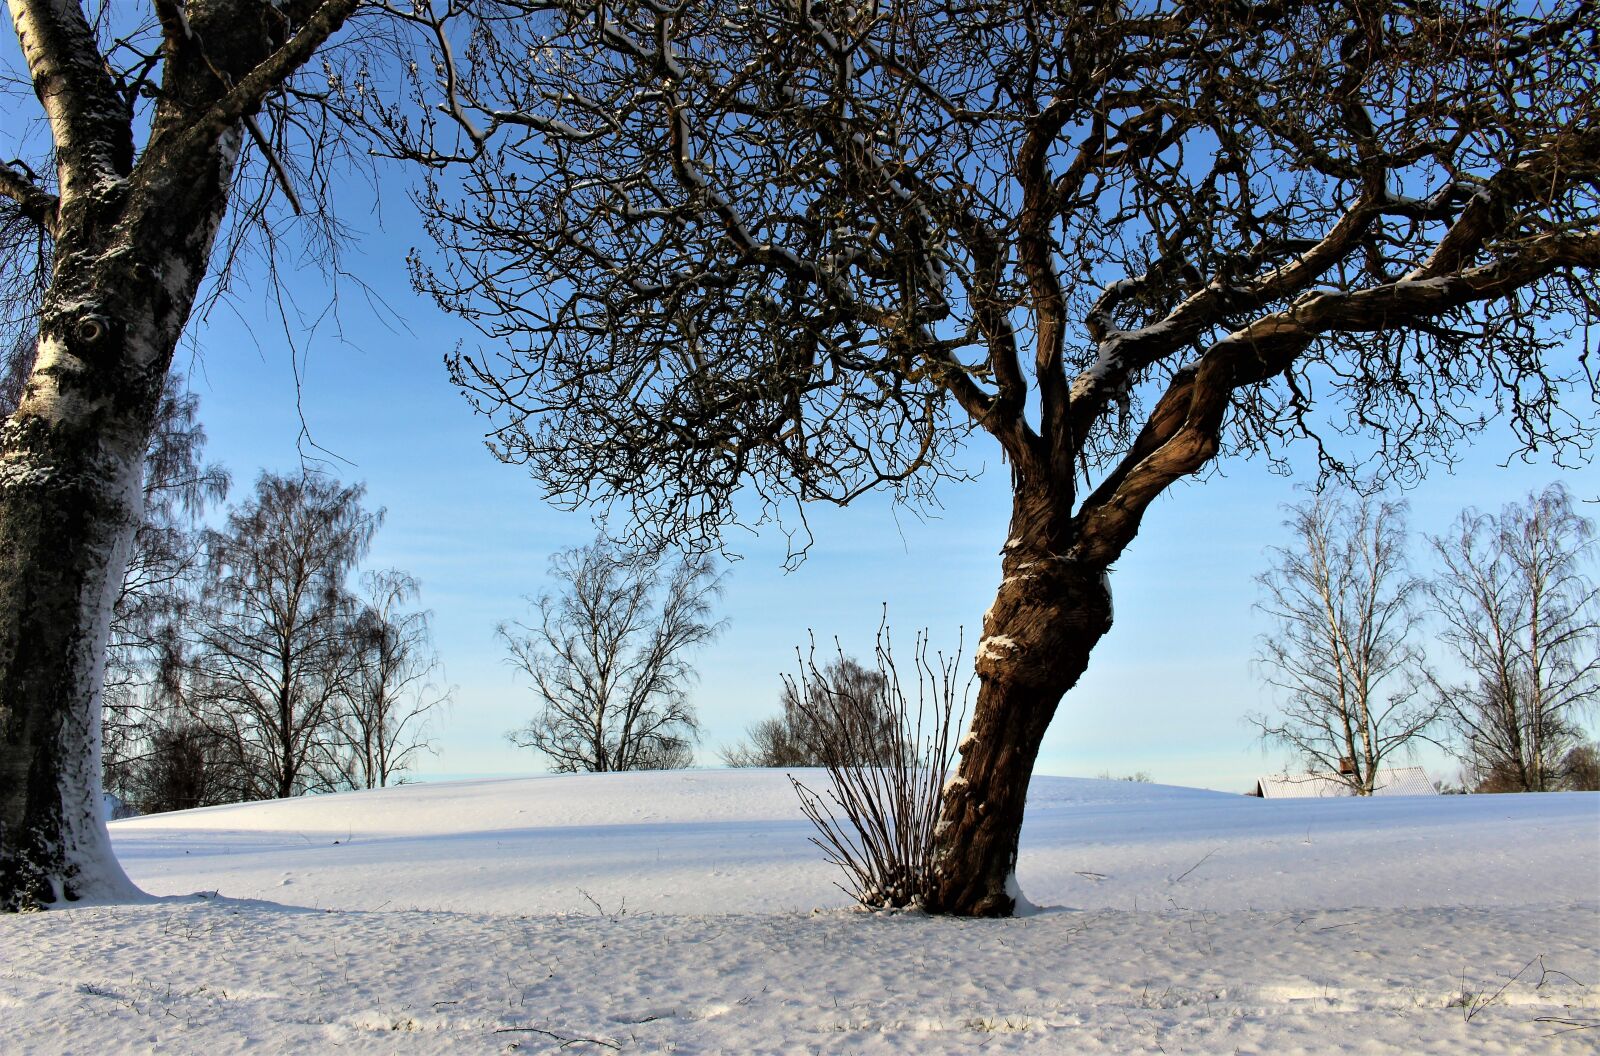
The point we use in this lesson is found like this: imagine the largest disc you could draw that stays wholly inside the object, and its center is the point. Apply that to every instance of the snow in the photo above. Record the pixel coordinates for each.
(686, 912)
(997, 647)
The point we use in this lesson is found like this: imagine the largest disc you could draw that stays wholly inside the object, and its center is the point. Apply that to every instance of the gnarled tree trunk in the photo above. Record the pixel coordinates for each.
(1049, 613)
(978, 217)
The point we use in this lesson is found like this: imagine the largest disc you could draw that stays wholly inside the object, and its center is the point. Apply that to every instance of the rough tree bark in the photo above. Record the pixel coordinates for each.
(133, 231)
(1048, 615)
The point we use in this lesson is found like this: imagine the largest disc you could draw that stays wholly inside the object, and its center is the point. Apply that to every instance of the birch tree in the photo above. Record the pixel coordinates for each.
(733, 257)
(1343, 602)
(1521, 615)
(391, 693)
(609, 659)
(160, 586)
(276, 657)
(153, 112)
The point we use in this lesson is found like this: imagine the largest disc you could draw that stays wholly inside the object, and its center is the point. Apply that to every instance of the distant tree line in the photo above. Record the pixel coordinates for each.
(256, 660)
(1515, 617)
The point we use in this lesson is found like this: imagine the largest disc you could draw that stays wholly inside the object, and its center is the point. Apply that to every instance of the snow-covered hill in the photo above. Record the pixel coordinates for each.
(736, 842)
(673, 912)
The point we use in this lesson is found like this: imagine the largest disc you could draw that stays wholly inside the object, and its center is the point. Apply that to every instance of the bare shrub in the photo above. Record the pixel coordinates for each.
(878, 818)
(189, 765)
(1580, 769)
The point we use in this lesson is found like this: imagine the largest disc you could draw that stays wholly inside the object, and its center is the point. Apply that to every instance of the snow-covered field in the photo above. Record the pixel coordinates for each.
(687, 913)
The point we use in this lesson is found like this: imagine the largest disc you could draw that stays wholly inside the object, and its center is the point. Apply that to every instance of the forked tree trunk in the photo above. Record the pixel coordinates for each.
(1049, 614)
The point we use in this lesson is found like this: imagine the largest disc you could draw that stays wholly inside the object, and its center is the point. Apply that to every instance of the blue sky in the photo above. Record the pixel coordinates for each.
(1166, 692)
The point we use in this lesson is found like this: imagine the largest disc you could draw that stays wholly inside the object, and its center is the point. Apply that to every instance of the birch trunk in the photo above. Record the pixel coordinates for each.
(69, 494)
(133, 233)
(127, 270)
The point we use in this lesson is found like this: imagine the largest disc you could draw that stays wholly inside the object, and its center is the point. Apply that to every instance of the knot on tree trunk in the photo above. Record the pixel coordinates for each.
(1044, 603)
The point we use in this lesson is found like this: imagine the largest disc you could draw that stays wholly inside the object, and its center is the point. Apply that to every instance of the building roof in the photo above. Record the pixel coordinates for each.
(1391, 781)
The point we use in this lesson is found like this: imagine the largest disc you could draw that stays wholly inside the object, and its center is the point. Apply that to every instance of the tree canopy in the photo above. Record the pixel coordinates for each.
(806, 248)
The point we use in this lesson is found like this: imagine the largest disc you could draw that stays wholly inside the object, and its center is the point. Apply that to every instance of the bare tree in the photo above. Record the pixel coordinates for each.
(802, 736)
(391, 692)
(154, 113)
(609, 658)
(274, 655)
(159, 588)
(1580, 769)
(1343, 602)
(1522, 617)
(189, 765)
(734, 257)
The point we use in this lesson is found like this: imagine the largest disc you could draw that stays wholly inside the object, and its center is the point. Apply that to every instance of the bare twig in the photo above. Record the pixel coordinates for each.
(1567, 1025)
(564, 1039)
(1179, 878)
(601, 911)
(1477, 1004)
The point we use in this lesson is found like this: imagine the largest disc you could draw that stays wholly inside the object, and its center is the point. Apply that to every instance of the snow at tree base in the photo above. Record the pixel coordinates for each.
(687, 912)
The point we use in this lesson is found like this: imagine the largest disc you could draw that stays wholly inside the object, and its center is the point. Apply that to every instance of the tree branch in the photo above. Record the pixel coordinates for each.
(88, 120)
(1183, 431)
(247, 94)
(33, 201)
